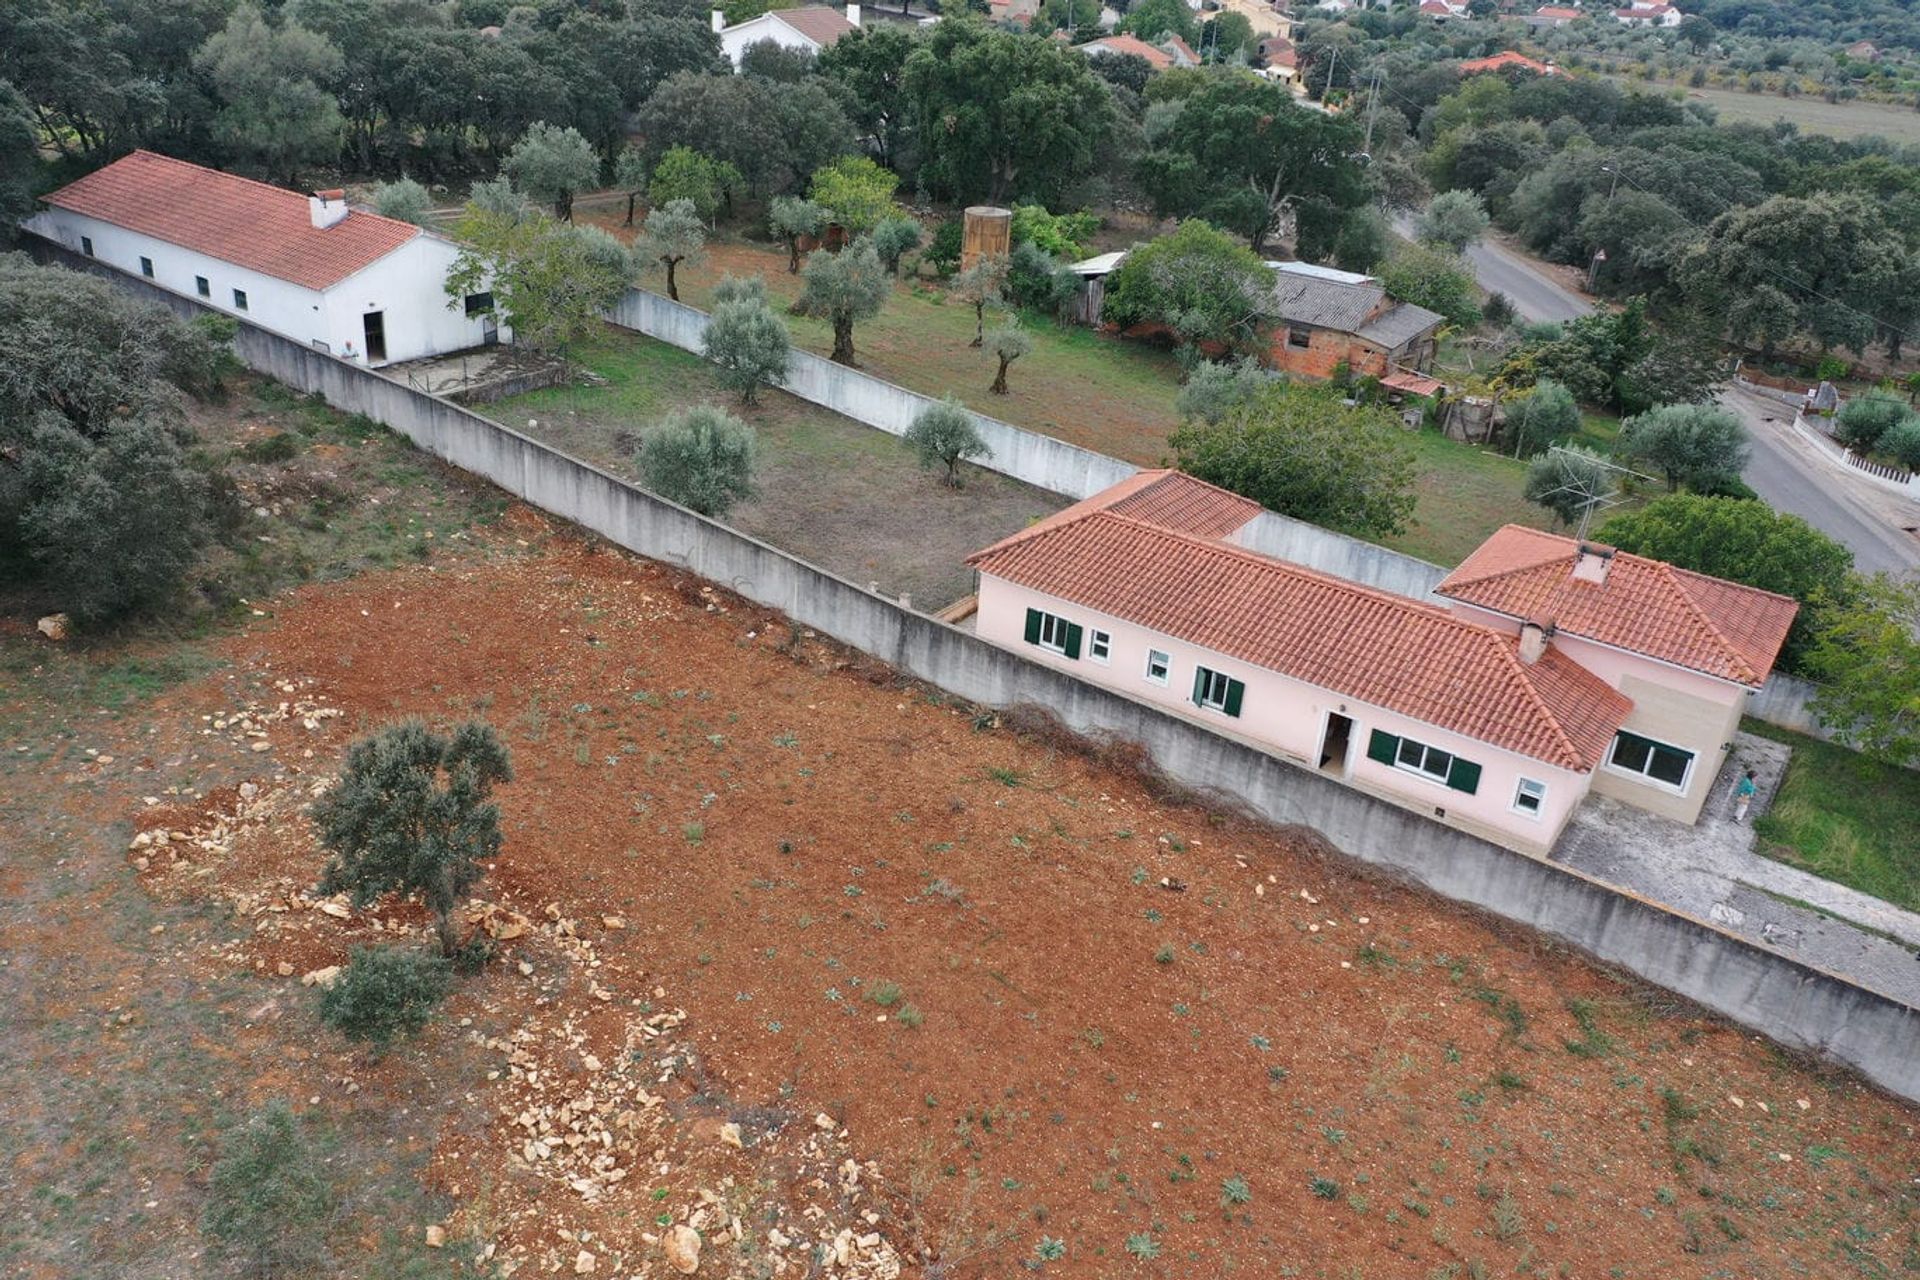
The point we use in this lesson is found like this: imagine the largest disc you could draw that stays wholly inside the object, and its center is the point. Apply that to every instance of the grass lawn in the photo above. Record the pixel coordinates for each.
(840, 495)
(1813, 115)
(1845, 817)
(1102, 393)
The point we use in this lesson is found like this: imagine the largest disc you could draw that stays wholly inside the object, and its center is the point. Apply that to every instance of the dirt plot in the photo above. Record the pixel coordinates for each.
(838, 494)
(1053, 1020)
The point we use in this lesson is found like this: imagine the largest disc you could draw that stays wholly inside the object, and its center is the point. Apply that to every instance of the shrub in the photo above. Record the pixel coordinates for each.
(1902, 441)
(701, 458)
(1036, 280)
(385, 993)
(404, 199)
(885, 994)
(1324, 1188)
(943, 434)
(895, 237)
(1235, 1191)
(944, 249)
(1216, 388)
(268, 1201)
(1863, 420)
(1059, 235)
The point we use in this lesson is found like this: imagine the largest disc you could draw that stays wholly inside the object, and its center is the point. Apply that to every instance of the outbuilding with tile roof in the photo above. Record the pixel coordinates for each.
(309, 267)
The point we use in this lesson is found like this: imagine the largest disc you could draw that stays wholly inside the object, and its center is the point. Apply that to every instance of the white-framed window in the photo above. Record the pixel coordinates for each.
(1529, 797)
(1669, 766)
(1217, 691)
(1418, 757)
(1099, 646)
(1159, 666)
(1053, 632)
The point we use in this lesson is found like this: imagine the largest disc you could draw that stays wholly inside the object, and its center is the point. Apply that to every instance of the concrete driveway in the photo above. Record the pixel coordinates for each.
(1710, 871)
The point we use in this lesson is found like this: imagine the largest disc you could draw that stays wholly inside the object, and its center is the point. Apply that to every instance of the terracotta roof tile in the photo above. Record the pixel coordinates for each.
(1159, 59)
(1648, 607)
(1508, 58)
(817, 23)
(1375, 647)
(249, 224)
(1160, 496)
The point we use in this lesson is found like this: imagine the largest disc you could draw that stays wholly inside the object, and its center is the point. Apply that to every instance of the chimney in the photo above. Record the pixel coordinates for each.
(327, 208)
(1533, 641)
(1590, 562)
(719, 20)
(853, 14)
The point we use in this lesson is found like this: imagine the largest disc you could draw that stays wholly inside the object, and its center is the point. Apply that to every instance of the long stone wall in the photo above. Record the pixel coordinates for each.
(1768, 991)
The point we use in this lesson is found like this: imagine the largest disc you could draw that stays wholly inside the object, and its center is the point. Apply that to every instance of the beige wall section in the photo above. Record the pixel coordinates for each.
(1703, 726)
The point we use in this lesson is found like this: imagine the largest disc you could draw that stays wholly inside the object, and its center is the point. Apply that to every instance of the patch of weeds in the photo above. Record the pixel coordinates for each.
(1505, 1008)
(1138, 875)
(1164, 955)
(1511, 1081)
(1261, 1043)
(1142, 1245)
(1050, 1249)
(1276, 1074)
(1324, 1188)
(1593, 1042)
(1235, 1191)
(1004, 776)
(885, 994)
(910, 1017)
(1507, 1219)
(269, 1202)
(1369, 956)
(695, 832)
(1094, 1037)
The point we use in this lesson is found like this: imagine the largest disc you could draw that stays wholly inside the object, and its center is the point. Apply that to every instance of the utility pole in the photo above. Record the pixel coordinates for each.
(1373, 106)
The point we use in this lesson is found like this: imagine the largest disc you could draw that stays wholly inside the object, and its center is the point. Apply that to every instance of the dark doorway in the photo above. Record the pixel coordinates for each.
(1333, 746)
(376, 325)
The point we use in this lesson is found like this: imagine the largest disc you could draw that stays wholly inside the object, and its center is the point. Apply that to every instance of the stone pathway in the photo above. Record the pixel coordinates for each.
(1711, 871)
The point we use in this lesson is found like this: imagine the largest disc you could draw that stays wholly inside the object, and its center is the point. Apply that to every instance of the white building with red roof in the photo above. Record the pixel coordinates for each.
(307, 267)
(1656, 14)
(1497, 723)
(808, 29)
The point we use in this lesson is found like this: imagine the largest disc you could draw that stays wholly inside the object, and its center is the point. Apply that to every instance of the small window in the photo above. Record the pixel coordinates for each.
(240, 299)
(201, 287)
(1050, 631)
(1529, 796)
(86, 245)
(1217, 691)
(1159, 666)
(146, 267)
(1099, 646)
(1669, 766)
(479, 304)
(1299, 338)
(1420, 758)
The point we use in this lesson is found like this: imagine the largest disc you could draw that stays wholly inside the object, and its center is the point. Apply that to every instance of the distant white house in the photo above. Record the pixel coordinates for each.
(811, 29)
(307, 267)
(1648, 15)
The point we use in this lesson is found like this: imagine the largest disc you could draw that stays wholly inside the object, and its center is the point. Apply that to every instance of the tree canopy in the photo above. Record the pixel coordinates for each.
(841, 288)
(855, 192)
(701, 458)
(552, 164)
(1243, 155)
(1305, 453)
(550, 281)
(1197, 282)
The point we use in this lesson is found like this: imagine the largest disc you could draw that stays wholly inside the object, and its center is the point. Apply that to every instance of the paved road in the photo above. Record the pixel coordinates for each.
(1785, 470)
(1788, 471)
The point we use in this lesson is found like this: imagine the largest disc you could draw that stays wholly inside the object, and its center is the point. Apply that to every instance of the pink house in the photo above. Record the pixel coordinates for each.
(1448, 709)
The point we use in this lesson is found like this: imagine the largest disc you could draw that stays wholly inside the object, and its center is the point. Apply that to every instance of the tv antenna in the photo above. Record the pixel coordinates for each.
(1596, 488)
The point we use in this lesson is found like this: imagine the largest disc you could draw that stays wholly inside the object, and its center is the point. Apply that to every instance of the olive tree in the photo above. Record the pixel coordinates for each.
(672, 234)
(1699, 445)
(552, 164)
(404, 199)
(1542, 418)
(1007, 343)
(1568, 481)
(413, 813)
(746, 339)
(1454, 220)
(982, 285)
(793, 219)
(894, 238)
(942, 435)
(842, 288)
(701, 458)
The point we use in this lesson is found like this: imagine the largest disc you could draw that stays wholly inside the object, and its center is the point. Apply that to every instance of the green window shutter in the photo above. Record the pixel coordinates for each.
(1073, 639)
(1382, 747)
(1033, 626)
(1199, 683)
(1236, 690)
(1464, 776)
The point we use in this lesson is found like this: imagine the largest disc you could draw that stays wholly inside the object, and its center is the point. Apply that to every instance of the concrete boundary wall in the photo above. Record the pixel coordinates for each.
(1768, 991)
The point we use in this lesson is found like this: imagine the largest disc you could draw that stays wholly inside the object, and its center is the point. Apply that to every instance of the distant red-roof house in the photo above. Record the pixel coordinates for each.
(1440, 10)
(309, 267)
(1656, 14)
(1508, 61)
(1183, 54)
(1864, 51)
(810, 28)
(1122, 45)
